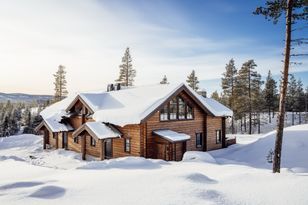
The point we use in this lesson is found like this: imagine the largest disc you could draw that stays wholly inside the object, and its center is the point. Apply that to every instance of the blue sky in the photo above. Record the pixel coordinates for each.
(166, 37)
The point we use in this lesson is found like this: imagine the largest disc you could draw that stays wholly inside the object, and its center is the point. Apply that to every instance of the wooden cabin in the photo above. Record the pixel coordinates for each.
(158, 121)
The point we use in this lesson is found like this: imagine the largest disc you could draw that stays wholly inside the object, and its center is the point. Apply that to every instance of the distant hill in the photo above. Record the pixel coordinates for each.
(21, 97)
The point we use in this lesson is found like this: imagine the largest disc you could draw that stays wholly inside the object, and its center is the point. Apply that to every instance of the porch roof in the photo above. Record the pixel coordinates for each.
(98, 130)
(171, 136)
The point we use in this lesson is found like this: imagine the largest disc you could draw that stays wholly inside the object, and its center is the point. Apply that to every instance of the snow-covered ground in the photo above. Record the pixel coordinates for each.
(239, 174)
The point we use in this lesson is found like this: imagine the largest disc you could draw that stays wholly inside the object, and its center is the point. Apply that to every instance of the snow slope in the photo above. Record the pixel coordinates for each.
(236, 175)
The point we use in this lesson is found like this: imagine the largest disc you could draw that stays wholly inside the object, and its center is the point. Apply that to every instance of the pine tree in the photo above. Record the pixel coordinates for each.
(164, 80)
(290, 98)
(127, 73)
(215, 96)
(192, 81)
(299, 100)
(248, 81)
(228, 82)
(293, 11)
(270, 94)
(60, 84)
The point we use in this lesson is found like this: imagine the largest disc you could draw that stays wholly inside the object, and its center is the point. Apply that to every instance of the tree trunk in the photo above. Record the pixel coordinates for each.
(241, 124)
(269, 115)
(282, 100)
(259, 123)
(299, 118)
(292, 118)
(245, 125)
(232, 125)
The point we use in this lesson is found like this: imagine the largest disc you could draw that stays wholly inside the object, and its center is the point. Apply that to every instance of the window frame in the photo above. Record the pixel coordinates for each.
(92, 141)
(219, 137)
(168, 105)
(199, 134)
(54, 135)
(76, 140)
(127, 140)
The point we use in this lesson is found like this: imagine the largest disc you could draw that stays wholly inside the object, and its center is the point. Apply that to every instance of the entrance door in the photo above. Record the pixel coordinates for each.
(64, 140)
(108, 148)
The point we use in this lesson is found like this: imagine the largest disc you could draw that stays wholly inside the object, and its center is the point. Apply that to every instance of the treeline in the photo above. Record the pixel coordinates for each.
(16, 117)
(248, 96)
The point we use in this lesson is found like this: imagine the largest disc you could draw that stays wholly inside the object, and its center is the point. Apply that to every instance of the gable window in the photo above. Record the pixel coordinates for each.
(182, 107)
(164, 113)
(93, 142)
(176, 109)
(173, 109)
(127, 145)
(198, 140)
(218, 137)
(76, 140)
(189, 114)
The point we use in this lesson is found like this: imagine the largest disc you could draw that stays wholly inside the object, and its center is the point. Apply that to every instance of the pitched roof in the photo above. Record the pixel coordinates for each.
(132, 105)
(98, 130)
(53, 125)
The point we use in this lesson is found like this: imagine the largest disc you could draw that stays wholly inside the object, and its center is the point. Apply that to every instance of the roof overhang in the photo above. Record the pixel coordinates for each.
(98, 130)
(171, 135)
(78, 97)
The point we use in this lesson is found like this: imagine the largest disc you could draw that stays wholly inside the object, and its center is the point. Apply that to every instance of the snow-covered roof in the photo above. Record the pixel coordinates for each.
(172, 136)
(99, 130)
(132, 105)
(56, 126)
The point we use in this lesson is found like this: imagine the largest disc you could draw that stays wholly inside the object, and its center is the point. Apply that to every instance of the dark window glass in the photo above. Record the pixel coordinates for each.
(182, 106)
(93, 142)
(173, 109)
(164, 113)
(189, 114)
(54, 135)
(218, 136)
(127, 145)
(76, 140)
(198, 140)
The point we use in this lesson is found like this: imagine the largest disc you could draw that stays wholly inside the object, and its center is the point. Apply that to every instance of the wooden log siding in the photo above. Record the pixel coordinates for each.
(213, 124)
(129, 131)
(189, 127)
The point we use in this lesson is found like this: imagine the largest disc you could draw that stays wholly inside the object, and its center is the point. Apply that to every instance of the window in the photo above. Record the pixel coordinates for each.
(173, 109)
(189, 114)
(176, 109)
(164, 113)
(127, 145)
(182, 107)
(54, 135)
(198, 140)
(218, 136)
(93, 142)
(76, 140)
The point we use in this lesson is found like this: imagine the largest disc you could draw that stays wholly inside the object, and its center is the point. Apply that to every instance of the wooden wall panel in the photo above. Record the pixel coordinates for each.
(213, 124)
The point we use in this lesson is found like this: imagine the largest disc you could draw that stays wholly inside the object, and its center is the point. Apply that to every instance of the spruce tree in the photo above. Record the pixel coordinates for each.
(248, 82)
(270, 94)
(290, 98)
(127, 73)
(60, 84)
(215, 95)
(300, 100)
(164, 80)
(192, 81)
(228, 82)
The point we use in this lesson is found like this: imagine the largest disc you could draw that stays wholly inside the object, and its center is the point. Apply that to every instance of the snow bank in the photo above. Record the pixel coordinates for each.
(125, 163)
(195, 156)
(294, 150)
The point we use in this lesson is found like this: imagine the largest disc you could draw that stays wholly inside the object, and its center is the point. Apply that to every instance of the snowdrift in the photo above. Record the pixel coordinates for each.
(294, 150)
(195, 156)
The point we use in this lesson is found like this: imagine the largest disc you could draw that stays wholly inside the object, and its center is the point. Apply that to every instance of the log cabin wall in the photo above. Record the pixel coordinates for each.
(72, 145)
(133, 133)
(93, 150)
(213, 124)
(52, 141)
(190, 127)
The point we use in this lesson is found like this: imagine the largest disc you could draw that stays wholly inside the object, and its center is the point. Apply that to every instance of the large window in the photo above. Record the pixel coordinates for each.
(173, 109)
(127, 145)
(164, 113)
(198, 140)
(182, 108)
(176, 109)
(218, 137)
